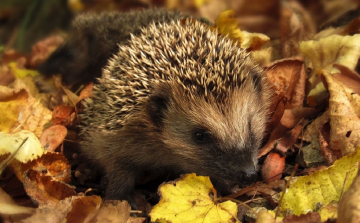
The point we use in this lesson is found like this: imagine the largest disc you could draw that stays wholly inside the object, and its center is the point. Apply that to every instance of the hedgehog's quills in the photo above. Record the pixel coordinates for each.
(177, 97)
(94, 38)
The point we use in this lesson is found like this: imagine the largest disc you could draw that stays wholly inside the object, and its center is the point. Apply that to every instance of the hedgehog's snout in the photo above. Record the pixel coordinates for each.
(248, 175)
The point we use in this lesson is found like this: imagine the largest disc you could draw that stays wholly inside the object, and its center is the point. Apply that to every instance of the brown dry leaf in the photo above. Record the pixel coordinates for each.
(323, 54)
(348, 78)
(285, 131)
(63, 115)
(336, 132)
(54, 165)
(349, 29)
(311, 217)
(344, 113)
(10, 211)
(83, 209)
(110, 211)
(261, 16)
(277, 107)
(318, 134)
(42, 49)
(288, 76)
(52, 137)
(45, 178)
(6, 75)
(296, 25)
(52, 212)
(86, 92)
(44, 190)
(349, 206)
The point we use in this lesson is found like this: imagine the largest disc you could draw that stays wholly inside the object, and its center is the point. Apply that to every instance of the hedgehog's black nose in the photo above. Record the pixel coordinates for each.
(249, 175)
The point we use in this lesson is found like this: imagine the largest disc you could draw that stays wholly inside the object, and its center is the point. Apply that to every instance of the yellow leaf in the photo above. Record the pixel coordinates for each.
(21, 73)
(188, 200)
(228, 25)
(10, 105)
(199, 3)
(323, 53)
(30, 150)
(20, 110)
(309, 193)
(329, 211)
(76, 5)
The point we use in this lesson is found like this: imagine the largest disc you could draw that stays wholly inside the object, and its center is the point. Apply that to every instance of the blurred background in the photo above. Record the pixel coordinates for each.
(24, 22)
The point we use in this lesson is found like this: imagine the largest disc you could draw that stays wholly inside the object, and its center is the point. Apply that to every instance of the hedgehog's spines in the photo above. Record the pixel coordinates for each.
(163, 86)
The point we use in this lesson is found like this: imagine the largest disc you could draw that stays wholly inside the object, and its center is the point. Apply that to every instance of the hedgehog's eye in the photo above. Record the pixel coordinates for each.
(201, 136)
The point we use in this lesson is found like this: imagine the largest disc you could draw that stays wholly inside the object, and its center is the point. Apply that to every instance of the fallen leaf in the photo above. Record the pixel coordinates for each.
(63, 115)
(44, 190)
(20, 110)
(6, 75)
(265, 217)
(86, 92)
(296, 25)
(311, 217)
(285, 129)
(188, 200)
(344, 107)
(348, 78)
(52, 137)
(63, 211)
(288, 76)
(110, 211)
(323, 54)
(349, 206)
(329, 211)
(310, 193)
(42, 49)
(21, 73)
(10, 211)
(29, 151)
(10, 107)
(227, 25)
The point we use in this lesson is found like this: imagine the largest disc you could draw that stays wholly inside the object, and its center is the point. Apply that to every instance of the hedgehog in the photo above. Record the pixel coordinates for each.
(94, 38)
(177, 98)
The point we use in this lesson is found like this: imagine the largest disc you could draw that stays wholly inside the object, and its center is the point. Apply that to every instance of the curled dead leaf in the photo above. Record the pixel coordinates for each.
(323, 54)
(44, 190)
(344, 113)
(64, 115)
(52, 137)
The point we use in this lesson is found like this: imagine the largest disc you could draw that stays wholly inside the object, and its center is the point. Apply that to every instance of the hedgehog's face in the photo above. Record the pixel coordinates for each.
(217, 139)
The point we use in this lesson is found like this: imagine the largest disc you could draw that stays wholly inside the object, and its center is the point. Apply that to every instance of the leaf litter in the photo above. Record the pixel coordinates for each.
(310, 57)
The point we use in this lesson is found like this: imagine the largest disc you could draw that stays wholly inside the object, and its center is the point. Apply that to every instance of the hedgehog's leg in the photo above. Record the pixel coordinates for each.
(121, 182)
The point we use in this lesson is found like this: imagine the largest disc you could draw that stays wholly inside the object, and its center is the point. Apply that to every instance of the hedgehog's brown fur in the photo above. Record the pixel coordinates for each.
(178, 97)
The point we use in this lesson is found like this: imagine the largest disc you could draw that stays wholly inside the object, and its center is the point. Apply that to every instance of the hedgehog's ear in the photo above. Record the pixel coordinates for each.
(157, 106)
